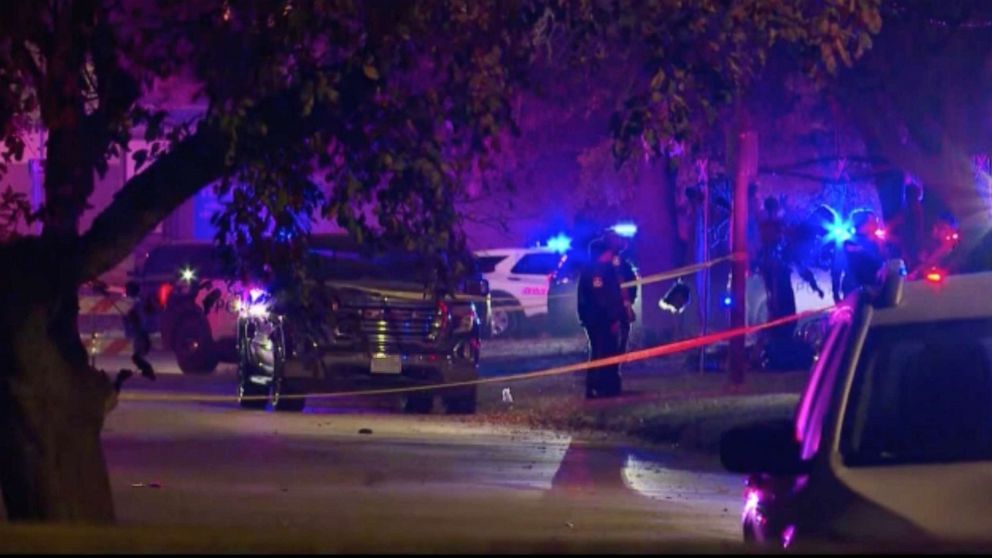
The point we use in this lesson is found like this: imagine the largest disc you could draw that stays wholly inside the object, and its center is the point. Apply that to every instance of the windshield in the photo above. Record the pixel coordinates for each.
(204, 260)
(922, 394)
(404, 267)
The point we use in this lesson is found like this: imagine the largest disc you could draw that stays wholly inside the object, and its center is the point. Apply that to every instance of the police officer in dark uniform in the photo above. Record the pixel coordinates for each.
(602, 313)
(863, 254)
(136, 327)
(627, 274)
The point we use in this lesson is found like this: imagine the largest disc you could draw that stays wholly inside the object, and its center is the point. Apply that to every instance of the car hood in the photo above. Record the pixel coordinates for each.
(951, 502)
(383, 290)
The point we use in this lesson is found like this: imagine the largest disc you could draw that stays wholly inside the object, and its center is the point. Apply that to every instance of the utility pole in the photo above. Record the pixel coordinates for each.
(704, 299)
(744, 162)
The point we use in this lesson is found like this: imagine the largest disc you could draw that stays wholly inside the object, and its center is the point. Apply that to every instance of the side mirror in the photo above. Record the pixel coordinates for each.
(210, 300)
(893, 279)
(477, 287)
(768, 447)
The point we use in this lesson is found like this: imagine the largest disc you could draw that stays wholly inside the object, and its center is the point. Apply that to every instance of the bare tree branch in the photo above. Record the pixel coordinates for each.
(191, 165)
(149, 198)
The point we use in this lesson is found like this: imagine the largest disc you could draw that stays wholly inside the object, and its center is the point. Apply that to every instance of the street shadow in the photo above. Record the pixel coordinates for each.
(588, 468)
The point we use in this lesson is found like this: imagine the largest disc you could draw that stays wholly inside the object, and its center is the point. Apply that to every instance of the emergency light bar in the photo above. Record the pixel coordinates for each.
(560, 243)
(626, 230)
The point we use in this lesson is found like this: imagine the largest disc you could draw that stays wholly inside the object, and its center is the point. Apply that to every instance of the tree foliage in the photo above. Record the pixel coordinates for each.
(920, 100)
(367, 112)
(392, 105)
(698, 56)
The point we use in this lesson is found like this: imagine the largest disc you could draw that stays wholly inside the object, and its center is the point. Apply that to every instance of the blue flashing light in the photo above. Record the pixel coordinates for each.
(728, 301)
(560, 243)
(839, 230)
(626, 230)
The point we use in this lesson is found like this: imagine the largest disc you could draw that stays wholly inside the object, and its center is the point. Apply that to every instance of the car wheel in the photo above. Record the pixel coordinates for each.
(418, 403)
(226, 349)
(193, 345)
(250, 394)
(505, 318)
(286, 396)
(461, 402)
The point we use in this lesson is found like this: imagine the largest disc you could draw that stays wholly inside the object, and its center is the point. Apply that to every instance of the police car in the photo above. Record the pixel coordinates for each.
(519, 279)
(891, 441)
(188, 296)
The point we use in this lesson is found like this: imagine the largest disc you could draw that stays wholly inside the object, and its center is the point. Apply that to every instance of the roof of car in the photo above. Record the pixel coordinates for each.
(511, 251)
(956, 297)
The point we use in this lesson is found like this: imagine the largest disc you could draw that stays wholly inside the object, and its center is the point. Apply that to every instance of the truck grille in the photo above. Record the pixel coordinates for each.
(389, 328)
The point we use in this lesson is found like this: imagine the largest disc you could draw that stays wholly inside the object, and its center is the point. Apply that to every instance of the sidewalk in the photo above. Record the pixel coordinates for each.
(661, 404)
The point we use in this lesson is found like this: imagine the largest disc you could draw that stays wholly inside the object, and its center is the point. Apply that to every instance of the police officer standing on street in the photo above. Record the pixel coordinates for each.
(627, 274)
(863, 253)
(603, 314)
(136, 327)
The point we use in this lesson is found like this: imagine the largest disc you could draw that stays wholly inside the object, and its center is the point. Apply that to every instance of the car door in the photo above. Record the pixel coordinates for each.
(775, 502)
(531, 278)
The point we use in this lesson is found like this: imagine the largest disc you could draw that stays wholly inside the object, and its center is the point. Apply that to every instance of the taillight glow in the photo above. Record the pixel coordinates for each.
(934, 276)
(164, 291)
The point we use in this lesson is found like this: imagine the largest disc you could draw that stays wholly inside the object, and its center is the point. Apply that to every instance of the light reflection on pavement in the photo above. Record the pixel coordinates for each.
(344, 467)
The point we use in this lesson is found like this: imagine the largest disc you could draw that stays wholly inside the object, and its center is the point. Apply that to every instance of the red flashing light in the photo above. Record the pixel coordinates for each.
(934, 277)
(881, 233)
(164, 291)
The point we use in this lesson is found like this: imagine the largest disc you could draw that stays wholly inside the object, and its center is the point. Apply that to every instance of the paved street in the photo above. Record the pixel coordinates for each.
(359, 471)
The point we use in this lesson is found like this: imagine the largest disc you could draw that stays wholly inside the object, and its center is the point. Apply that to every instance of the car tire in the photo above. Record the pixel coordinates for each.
(461, 402)
(226, 349)
(281, 388)
(418, 403)
(193, 345)
(505, 317)
(250, 394)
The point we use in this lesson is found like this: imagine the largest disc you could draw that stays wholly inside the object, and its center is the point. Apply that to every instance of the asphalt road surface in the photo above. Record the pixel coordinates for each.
(363, 472)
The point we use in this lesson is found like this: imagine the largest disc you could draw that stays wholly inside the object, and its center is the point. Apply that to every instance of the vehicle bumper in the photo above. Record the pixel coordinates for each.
(353, 370)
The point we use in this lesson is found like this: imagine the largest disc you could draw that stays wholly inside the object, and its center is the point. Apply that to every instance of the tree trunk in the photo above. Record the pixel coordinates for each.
(52, 404)
(744, 162)
(658, 247)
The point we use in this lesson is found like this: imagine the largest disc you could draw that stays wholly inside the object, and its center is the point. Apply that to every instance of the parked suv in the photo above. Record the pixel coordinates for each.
(379, 330)
(891, 442)
(187, 291)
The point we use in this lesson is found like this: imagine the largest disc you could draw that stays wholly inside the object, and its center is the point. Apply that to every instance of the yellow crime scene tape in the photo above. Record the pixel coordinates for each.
(634, 356)
(654, 278)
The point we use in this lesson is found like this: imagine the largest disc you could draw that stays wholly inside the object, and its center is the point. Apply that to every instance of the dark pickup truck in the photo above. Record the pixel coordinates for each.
(381, 329)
